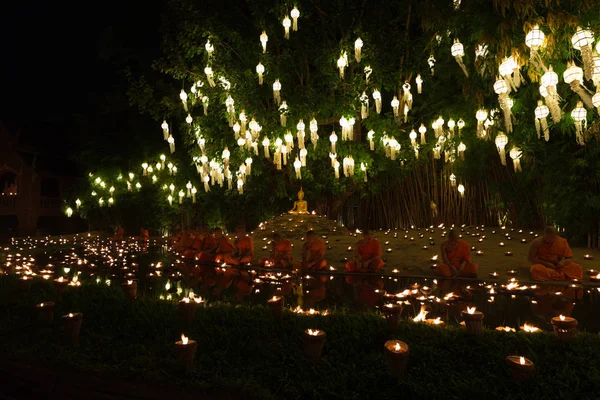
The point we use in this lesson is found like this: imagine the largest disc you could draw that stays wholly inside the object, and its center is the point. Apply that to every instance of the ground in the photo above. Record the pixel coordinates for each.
(405, 251)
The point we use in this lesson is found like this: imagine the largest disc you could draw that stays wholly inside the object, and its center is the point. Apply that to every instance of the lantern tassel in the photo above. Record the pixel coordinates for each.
(577, 88)
(461, 64)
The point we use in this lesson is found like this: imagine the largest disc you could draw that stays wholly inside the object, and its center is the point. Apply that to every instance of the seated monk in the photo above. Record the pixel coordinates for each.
(456, 258)
(119, 232)
(281, 253)
(551, 258)
(223, 245)
(244, 249)
(313, 254)
(208, 247)
(367, 255)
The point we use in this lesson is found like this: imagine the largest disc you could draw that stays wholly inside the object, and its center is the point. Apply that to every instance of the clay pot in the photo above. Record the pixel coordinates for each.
(186, 353)
(473, 322)
(45, 312)
(313, 344)
(397, 354)
(519, 372)
(71, 326)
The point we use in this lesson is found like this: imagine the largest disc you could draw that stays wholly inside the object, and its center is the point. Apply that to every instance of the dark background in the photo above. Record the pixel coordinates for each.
(63, 87)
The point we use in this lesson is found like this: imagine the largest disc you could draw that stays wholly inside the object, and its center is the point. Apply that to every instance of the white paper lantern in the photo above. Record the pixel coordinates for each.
(501, 142)
(515, 154)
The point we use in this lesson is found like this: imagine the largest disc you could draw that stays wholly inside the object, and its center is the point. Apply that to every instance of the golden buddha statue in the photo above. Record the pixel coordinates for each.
(300, 206)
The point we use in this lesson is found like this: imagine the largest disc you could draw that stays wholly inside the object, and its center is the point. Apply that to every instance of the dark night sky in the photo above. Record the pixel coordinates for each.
(62, 62)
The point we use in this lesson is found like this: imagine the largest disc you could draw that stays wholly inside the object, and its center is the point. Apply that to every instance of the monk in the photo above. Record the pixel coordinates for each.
(144, 235)
(281, 253)
(367, 255)
(208, 247)
(119, 232)
(313, 254)
(456, 258)
(223, 245)
(551, 258)
(244, 249)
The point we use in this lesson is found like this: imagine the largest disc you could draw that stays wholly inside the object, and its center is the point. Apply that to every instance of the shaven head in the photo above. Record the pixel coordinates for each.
(217, 232)
(367, 234)
(549, 234)
(311, 236)
(240, 230)
(452, 236)
(276, 237)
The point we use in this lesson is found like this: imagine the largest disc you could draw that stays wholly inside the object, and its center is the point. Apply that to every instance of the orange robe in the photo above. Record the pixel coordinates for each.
(192, 250)
(461, 253)
(245, 246)
(206, 253)
(224, 246)
(119, 234)
(367, 251)
(283, 254)
(311, 253)
(555, 252)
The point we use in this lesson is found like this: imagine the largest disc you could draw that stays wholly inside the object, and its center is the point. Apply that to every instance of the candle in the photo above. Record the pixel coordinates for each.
(425, 247)
(505, 329)
(187, 308)
(501, 244)
(588, 257)
(520, 367)
(564, 327)
(314, 340)
(523, 240)
(397, 355)
(72, 326)
(595, 278)
(493, 275)
(60, 285)
(508, 253)
(473, 321)
(45, 311)
(276, 306)
(530, 328)
(186, 351)
(130, 289)
(392, 314)
(479, 252)
(25, 283)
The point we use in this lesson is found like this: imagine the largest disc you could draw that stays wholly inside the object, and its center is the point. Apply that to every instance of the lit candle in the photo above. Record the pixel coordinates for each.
(508, 253)
(72, 326)
(473, 321)
(479, 252)
(564, 327)
(314, 340)
(588, 257)
(276, 306)
(45, 311)
(501, 244)
(530, 328)
(186, 351)
(397, 354)
(520, 367)
(493, 275)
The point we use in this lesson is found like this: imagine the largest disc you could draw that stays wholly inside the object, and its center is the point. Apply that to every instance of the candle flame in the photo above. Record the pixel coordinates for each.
(562, 317)
(530, 328)
(274, 298)
(70, 315)
(41, 304)
(434, 258)
(129, 282)
(397, 347)
(470, 310)
(184, 339)
(198, 300)
(422, 314)
(186, 300)
(313, 332)
(522, 360)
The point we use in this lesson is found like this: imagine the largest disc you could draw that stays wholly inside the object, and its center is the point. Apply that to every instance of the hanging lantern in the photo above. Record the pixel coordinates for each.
(229, 105)
(286, 26)
(596, 73)
(395, 107)
(263, 40)
(303, 154)
(346, 166)
(419, 82)
(169, 199)
(377, 98)
(289, 141)
(144, 168)
(333, 139)
(209, 76)
(205, 104)
(171, 141)
(515, 154)
(481, 116)
(300, 133)
(407, 99)
(266, 142)
(295, 13)
(277, 91)
(582, 40)
(172, 188)
(461, 190)
(183, 96)
(283, 110)
(422, 131)
(240, 185)
(579, 115)
(260, 70)
(236, 130)
(363, 168)
(314, 137)
(241, 141)
(336, 167)
(297, 165)
(458, 52)
(165, 129)
(461, 150)
(364, 106)
(501, 90)
(573, 75)
(501, 142)
(534, 40)
(461, 125)
(413, 138)
(332, 158)
(439, 127)
(394, 147)
(284, 152)
(452, 180)
(509, 70)
(188, 186)
(209, 48)
(548, 83)
(371, 136)
(189, 119)
(596, 99)
(226, 154)
(368, 71)
(431, 62)
(437, 152)
(248, 165)
(194, 191)
(541, 112)
(451, 125)
(358, 44)
(342, 62)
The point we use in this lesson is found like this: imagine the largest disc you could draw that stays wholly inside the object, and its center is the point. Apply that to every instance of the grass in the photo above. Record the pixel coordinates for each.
(244, 349)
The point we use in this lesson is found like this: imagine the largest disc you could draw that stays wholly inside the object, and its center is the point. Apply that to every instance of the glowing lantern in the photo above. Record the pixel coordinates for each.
(209, 48)
(461, 190)
(358, 44)
(377, 98)
(295, 13)
(371, 136)
(266, 142)
(263, 40)
(509, 70)
(171, 141)
(209, 76)
(452, 180)
(283, 110)
(451, 125)
(248, 165)
(534, 40)
(297, 166)
(77, 204)
(573, 75)
(284, 152)
(170, 199)
(240, 185)
(579, 115)
(286, 26)
(368, 71)
(205, 104)
(226, 154)
(515, 154)
(260, 70)
(289, 141)
(364, 106)
(541, 112)
(144, 168)
(183, 96)
(342, 63)
(163, 158)
(314, 137)
(501, 90)
(333, 139)
(165, 129)
(69, 212)
(419, 82)
(431, 62)
(395, 106)
(336, 167)
(363, 168)
(481, 116)
(596, 99)
(461, 150)
(501, 142)
(300, 133)
(422, 131)
(582, 40)
(413, 138)
(194, 191)
(277, 91)
(189, 119)
(548, 82)
(407, 99)
(458, 52)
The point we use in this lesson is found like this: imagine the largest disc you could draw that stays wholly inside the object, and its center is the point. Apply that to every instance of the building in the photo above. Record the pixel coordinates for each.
(31, 186)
